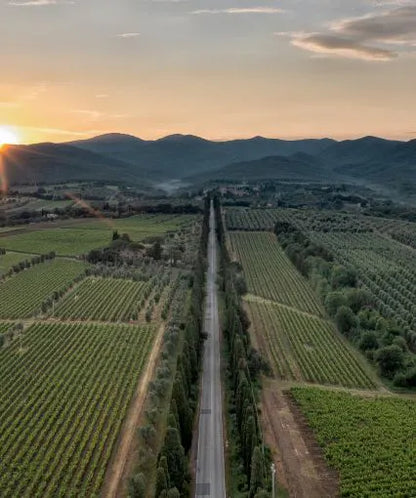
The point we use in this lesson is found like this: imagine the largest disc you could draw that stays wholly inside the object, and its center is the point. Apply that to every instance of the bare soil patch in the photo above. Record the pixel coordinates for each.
(299, 461)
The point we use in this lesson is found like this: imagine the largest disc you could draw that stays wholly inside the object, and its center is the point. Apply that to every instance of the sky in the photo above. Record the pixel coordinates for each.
(222, 69)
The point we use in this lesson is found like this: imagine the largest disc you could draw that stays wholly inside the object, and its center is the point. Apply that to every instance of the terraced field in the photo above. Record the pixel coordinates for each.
(58, 431)
(22, 295)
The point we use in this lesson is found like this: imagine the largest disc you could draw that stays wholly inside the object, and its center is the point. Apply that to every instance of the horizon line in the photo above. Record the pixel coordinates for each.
(216, 140)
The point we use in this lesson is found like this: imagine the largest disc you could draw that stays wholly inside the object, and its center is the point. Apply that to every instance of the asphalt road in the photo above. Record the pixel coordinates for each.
(210, 468)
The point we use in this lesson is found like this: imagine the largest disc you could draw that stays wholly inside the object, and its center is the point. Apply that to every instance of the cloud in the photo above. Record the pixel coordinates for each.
(396, 26)
(102, 96)
(374, 37)
(128, 35)
(240, 10)
(40, 3)
(343, 47)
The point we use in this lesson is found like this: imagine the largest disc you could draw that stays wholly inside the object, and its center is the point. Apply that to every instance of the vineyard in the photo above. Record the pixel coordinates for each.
(269, 273)
(8, 260)
(370, 441)
(57, 432)
(379, 251)
(386, 270)
(105, 299)
(22, 295)
(302, 347)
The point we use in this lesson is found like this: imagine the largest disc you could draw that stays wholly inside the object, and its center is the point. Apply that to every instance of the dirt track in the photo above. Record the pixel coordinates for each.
(123, 460)
(300, 465)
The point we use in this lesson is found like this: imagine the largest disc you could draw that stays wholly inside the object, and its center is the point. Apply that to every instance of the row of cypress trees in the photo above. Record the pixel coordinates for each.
(243, 368)
(173, 477)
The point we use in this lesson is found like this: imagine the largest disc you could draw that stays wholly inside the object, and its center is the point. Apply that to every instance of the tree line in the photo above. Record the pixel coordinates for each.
(244, 366)
(167, 438)
(353, 308)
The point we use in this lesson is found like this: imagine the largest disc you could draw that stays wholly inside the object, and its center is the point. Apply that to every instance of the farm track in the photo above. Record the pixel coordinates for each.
(119, 468)
(253, 298)
(299, 461)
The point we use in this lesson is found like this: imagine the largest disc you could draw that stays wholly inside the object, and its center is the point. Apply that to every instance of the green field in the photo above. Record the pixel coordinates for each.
(74, 238)
(269, 272)
(22, 295)
(65, 390)
(302, 347)
(104, 299)
(370, 441)
(10, 259)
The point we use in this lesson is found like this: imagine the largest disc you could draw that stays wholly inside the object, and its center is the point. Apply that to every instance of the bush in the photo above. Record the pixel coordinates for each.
(333, 301)
(390, 360)
(343, 277)
(358, 299)
(368, 340)
(345, 319)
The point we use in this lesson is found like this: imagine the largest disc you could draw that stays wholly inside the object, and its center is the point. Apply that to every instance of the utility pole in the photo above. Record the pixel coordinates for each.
(273, 469)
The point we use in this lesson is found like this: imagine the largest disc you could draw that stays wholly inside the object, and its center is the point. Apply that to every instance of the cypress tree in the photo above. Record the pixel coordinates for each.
(173, 493)
(175, 456)
(257, 471)
(161, 481)
(184, 411)
(163, 463)
(137, 488)
(250, 441)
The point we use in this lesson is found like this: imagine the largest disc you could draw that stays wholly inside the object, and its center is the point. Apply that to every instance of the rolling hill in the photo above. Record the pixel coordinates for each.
(298, 166)
(54, 163)
(179, 156)
(374, 161)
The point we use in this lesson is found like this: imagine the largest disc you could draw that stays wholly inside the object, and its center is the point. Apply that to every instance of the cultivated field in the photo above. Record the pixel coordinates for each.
(9, 259)
(68, 381)
(269, 273)
(4, 327)
(65, 391)
(76, 237)
(386, 269)
(370, 441)
(22, 295)
(302, 347)
(104, 299)
(288, 320)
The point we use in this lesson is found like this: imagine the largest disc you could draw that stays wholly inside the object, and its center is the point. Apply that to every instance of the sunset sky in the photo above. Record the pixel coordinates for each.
(219, 69)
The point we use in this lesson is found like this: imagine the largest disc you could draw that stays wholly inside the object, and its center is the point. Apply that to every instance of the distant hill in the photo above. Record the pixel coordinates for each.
(179, 156)
(117, 157)
(54, 163)
(298, 166)
(385, 163)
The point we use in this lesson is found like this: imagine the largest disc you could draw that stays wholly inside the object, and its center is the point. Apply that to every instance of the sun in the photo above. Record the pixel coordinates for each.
(8, 136)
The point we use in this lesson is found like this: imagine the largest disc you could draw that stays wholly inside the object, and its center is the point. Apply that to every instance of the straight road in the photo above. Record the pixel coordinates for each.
(210, 468)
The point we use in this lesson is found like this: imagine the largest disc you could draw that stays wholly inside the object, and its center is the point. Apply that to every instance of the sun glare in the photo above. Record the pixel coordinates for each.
(8, 136)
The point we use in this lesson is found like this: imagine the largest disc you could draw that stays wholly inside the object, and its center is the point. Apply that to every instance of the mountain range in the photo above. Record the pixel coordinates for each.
(124, 158)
